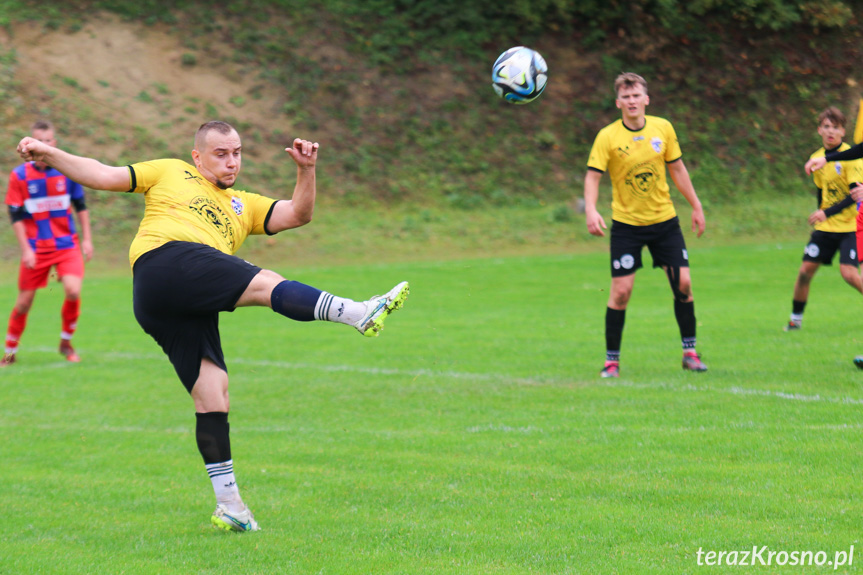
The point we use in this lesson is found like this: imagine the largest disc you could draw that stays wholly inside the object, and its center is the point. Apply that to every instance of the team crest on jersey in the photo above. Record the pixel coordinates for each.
(237, 205)
(838, 168)
(642, 179)
(656, 144)
(213, 215)
(61, 185)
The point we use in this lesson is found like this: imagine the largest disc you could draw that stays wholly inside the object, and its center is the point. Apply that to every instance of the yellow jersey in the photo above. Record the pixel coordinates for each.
(635, 160)
(834, 181)
(181, 205)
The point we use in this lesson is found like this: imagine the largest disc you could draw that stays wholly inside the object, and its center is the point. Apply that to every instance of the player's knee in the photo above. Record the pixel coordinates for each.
(619, 298)
(850, 274)
(684, 291)
(804, 276)
(73, 294)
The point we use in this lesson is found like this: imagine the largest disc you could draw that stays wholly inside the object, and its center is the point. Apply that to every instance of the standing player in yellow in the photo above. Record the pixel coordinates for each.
(835, 218)
(185, 273)
(635, 151)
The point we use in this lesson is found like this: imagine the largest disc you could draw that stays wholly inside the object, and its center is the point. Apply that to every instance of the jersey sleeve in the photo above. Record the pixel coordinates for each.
(598, 159)
(672, 150)
(76, 190)
(259, 210)
(16, 192)
(145, 175)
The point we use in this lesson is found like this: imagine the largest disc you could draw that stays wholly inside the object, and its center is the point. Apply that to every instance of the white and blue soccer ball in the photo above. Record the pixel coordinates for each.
(519, 75)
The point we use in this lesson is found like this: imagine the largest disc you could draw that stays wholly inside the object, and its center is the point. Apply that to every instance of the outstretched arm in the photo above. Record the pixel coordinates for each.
(298, 210)
(86, 171)
(680, 175)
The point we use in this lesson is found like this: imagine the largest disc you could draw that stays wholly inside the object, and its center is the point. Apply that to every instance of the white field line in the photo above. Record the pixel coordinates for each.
(467, 376)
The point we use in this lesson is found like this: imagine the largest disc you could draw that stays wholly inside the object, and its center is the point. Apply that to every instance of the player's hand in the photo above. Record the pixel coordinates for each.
(87, 248)
(814, 164)
(817, 216)
(857, 193)
(28, 258)
(595, 223)
(32, 150)
(304, 153)
(699, 223)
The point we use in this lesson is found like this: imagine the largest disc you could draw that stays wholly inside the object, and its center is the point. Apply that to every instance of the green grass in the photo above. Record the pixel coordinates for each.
(473, 436)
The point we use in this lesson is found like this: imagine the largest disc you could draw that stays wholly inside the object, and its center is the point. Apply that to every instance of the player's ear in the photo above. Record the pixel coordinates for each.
(646, 100)
(617, 103)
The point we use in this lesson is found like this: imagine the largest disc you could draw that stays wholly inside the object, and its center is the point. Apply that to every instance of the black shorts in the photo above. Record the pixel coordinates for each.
(664, 241)
(822, 247)
(178, 291)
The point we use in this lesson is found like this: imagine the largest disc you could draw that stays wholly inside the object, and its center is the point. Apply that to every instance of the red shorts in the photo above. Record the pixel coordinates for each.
(68, 262)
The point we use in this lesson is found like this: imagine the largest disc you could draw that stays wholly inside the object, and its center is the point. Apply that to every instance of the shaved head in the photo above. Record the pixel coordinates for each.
(223, 128)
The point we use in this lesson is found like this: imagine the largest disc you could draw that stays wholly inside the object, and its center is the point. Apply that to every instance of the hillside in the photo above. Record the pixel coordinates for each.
(428, 155)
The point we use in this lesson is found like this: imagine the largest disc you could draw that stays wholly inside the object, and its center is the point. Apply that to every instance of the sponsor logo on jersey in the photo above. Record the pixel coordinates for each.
(213, 215)
(49, 204)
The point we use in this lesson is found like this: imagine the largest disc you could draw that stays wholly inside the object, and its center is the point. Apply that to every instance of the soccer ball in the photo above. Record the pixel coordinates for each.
(519, 75)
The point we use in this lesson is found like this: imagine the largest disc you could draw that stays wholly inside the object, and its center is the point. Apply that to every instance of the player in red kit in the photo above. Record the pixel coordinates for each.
(40, 201)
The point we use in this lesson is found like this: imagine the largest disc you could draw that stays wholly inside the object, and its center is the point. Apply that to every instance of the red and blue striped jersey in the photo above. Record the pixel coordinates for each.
(44, 201)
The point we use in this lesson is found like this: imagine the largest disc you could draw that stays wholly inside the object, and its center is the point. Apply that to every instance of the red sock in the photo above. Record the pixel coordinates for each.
(71, 311)
(17, 323)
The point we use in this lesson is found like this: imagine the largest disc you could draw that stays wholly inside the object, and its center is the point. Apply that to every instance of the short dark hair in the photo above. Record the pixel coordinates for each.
(223, 128)
(42, 125)
(833, 114)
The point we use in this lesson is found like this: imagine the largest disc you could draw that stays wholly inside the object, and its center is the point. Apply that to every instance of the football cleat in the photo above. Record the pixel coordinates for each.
(792, 326)
(858, 361)
(379, 307)
(67, 351)
(611, 369)
(232, 521)
(692, 362)
(7, 360)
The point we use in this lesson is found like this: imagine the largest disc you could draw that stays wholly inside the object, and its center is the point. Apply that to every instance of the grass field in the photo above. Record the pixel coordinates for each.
(474, 436)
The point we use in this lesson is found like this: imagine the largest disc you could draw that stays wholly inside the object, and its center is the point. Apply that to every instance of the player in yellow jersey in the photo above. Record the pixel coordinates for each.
(834, 220)
(635, 151)
(185, 273)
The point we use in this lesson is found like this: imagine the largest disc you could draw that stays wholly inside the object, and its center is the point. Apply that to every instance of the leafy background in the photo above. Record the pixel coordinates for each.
(399, 95)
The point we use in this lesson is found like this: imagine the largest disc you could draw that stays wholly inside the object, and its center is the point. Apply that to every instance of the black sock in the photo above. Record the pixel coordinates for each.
(212, 434)
(685, 314)
(614, 319)
(797, 307)
(295, 300)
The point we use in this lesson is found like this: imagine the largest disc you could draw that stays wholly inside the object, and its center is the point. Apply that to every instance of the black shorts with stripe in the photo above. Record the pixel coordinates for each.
(664, 241)
(179, 289)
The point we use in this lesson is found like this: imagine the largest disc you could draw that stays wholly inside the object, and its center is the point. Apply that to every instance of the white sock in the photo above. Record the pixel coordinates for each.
(797, 318)
(341, 310)
(225, 485)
